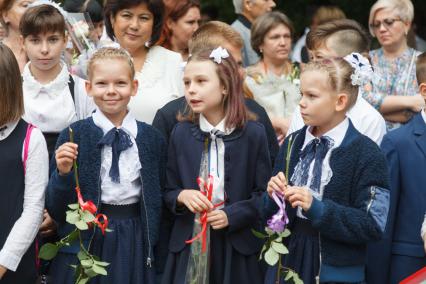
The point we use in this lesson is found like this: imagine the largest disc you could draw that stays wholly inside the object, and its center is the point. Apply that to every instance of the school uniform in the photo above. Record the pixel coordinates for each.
(22, 200)
(244, 159)
(349, 207)
(131, 199)
(55, 105)
(401, 252)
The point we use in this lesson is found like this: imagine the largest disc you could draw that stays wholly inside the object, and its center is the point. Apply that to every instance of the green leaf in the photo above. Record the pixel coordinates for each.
(271, 257)
(90, 272)
(83, 280)
(87, 217)
(73, 206)
(296, 279)
(258, 234)
(82, 255)
(81, 225)
(99, 269)
(290, 274)
(279, 248)
(72, 216)
(86, 263)
(269, 231)
(48, 251)
(101, 263)
(285, 234)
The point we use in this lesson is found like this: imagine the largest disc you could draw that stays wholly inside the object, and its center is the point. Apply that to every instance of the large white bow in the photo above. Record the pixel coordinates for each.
(218, 54)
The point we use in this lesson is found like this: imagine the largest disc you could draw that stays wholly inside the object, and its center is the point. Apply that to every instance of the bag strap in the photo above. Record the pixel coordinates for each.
(71, 85)
(30, 128)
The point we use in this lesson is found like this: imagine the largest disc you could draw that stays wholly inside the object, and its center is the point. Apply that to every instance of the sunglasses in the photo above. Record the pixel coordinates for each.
(387, 23)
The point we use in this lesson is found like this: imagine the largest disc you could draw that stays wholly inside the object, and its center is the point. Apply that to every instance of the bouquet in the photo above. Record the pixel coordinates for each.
(81, 215)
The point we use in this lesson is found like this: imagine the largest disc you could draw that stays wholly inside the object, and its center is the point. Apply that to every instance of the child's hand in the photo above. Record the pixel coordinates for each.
(277, 183)
(299, 196)
(65, 156)
(217, 219)
(48, 227)
(3, 270)
(194, 200)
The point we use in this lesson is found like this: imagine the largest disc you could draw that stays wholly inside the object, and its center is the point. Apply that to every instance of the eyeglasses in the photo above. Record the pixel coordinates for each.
(387, 23)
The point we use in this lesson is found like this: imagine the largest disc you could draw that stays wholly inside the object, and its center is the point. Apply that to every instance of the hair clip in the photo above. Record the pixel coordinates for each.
(363, 72)
(50, 3)
(218, 54)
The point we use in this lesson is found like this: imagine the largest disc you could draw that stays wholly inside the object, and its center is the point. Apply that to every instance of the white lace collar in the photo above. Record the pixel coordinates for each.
(129, 123)
(336, 134)
(54, 88)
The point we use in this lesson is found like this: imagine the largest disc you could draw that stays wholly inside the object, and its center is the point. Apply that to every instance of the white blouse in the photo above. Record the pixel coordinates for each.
(160, 81)
(336, 134)
(128, 190)
(50, 106)
(26, 227)
(217, 156)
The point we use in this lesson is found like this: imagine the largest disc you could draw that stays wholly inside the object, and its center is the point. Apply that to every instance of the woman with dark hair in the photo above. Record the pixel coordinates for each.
(136, 25)
(182, 20)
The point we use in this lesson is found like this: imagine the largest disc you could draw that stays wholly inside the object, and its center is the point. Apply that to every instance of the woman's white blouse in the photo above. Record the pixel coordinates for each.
(128, 190)
(50, 106)
(26, 227)
(160, 81)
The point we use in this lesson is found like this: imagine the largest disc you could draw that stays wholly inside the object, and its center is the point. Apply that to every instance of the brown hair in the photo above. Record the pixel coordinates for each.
(339, 76)
(326, 14)
(40, 20)
(11, 95)
(264, 24)
(175, 10)
(421, 68)
(214, 34)
(235, 110)
(110, 53)
(348, 36)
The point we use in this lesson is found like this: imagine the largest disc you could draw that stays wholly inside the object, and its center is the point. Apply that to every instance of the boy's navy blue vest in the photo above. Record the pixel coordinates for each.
(12, 191)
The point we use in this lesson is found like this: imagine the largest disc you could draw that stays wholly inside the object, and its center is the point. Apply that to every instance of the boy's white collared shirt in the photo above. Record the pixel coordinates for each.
(337, 134)
(424, 115)
(128, 191)
(216, 157)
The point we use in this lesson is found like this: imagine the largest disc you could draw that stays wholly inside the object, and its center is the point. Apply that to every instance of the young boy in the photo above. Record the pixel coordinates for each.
(338, 39)
(53, 98)
(401, 252)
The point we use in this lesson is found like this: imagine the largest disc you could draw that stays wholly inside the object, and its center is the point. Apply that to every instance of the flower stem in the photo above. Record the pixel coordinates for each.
(71, 133)
(279, 270)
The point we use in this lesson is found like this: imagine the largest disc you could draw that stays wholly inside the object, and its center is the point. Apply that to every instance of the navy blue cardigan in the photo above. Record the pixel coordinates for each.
(247, 171)
(151, 147)
(344, 217)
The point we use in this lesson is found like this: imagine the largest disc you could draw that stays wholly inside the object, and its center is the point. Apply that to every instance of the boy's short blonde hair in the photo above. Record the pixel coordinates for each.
(110, 53)
(421, 68)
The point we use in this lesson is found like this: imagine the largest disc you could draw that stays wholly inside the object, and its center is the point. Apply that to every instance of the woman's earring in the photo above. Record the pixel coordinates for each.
(148, 44)
(261, 50)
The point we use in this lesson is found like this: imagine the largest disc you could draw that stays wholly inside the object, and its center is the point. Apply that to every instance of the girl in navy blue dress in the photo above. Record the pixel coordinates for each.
(218, 142)
(23, 174)
(337, 178)
(121, 163)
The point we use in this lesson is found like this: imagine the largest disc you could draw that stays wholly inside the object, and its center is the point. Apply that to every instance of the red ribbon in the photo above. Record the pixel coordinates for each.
(85, 206)
(101, 224)
(207, 190)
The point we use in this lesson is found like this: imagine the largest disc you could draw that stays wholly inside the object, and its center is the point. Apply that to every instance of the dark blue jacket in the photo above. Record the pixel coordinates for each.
(349, 214)
(401, 251)
(247, 171)
(60, 191)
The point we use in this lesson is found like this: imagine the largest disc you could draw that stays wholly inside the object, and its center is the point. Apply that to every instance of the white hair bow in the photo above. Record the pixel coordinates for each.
(363, 72)
(50, 3)
(218, 54)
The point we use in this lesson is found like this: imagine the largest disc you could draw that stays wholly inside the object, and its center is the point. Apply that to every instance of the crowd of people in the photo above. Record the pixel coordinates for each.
(187, 136)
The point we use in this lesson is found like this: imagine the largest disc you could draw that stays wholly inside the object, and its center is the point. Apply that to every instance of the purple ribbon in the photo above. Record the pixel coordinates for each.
(279, 220)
